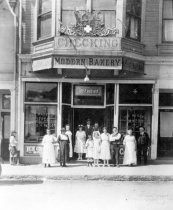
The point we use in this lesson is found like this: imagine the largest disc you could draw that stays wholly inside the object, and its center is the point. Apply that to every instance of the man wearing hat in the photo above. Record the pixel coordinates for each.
(63, 141)
(88, 129)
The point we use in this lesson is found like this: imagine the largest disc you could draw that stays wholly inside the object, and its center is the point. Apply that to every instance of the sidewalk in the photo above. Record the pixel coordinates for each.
(155, 171)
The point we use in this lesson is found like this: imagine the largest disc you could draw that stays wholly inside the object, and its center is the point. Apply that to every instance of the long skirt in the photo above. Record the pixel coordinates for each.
(105, 151)
(63, 145)
(96, 149)
(79, 146)
(48, 154)
(130, 154)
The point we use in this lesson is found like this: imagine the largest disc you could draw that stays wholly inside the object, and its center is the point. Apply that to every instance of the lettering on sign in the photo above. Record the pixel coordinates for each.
(88, 90)
(87, 43)
(33, 150)
(91, 62)
(41, 64)
(133, 65)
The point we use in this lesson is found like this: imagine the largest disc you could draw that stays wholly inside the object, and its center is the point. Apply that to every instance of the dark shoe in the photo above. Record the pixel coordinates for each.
(45, 165)
(49, 165)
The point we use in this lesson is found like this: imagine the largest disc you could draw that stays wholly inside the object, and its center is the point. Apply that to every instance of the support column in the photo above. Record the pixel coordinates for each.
(58, 16)
(121, 17)
(116, 105)
(155, 116)
(59, 108)
(13, 109)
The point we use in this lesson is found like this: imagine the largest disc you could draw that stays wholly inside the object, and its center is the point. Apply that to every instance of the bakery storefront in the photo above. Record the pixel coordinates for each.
(99, 88)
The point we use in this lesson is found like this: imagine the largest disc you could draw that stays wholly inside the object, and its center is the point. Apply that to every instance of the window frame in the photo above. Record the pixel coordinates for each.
(165, 19)
(37, 15)
(139, 19)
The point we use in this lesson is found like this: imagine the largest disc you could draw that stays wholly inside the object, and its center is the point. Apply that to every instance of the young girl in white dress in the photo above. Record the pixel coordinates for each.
(105, 147)
(69, 134)
(80, 142)
(130, 149)
(96, 150)
(89, 146)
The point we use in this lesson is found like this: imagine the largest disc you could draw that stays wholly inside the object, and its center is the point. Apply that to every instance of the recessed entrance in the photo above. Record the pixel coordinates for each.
(95, 115)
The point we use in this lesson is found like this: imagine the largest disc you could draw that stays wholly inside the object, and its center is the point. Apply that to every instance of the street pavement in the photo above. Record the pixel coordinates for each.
(78, 170)
(86, 195)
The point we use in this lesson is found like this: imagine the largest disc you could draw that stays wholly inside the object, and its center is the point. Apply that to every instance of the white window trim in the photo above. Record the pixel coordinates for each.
(36, 21)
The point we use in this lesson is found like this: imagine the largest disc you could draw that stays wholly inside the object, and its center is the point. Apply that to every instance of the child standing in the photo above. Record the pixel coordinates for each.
(105, 147)
(89, 146)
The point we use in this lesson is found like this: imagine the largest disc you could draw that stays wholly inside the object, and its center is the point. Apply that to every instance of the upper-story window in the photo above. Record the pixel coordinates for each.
(168, 21)
(107, 9)
(133, 19)
(44, 19)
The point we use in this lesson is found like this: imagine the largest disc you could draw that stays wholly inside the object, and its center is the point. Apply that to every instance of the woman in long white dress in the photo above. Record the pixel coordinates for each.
(105, 147)
(80, 142)
(130, 149)
(96, 149)
(48, 157)
(69, 134)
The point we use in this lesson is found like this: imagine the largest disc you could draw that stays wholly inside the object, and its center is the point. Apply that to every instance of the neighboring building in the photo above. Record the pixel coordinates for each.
(7, 76)
(106, 60)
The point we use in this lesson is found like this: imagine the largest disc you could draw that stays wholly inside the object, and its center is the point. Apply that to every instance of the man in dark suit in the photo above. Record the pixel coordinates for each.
(143, 144)
(88, 129)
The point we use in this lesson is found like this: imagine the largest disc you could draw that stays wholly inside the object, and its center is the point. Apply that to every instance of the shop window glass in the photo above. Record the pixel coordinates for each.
(37, 119)
(44, 19)
(133, 19)
(89, 95)
(166, 99)
(107, 11)
(66, 93)
(6, 101)
(135, 94)
(110, 93)
(168, 21)
(68, 8)
(41, 92)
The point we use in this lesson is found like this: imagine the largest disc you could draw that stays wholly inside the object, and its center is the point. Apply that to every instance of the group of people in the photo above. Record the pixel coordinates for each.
(97, 145)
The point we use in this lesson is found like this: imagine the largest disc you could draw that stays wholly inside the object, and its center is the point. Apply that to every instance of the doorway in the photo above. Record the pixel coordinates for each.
(5, 135)
(165, 134)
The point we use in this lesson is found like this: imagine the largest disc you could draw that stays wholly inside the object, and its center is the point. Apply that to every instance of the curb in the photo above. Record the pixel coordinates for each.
(39, 178)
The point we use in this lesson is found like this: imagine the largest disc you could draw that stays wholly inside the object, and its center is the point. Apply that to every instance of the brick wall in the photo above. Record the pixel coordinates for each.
(151, 27)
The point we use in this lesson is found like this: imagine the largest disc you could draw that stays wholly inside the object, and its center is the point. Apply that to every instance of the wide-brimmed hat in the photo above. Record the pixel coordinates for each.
(80, 126)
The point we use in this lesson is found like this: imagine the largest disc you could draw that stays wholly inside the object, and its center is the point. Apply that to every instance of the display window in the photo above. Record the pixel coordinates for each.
(40, 92)
(135, 94)
(37, 119)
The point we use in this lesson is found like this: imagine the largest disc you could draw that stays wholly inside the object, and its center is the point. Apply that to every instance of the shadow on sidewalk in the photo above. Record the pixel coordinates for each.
(19, 182)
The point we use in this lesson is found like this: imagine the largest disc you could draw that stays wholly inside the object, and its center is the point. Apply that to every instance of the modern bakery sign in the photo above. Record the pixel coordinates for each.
(90, 62)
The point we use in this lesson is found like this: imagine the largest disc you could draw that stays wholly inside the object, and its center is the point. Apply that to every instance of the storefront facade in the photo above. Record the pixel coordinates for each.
(89, 61)
(7, 76)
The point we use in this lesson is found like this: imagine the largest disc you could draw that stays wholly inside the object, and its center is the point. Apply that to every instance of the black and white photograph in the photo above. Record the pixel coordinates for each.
(86, 104)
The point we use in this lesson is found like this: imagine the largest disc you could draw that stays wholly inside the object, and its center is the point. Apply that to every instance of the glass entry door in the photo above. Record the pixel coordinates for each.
(134, 117)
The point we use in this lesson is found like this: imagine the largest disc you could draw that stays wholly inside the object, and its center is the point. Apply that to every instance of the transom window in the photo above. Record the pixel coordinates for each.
(133, 19)
(44, 19)
(167, 21)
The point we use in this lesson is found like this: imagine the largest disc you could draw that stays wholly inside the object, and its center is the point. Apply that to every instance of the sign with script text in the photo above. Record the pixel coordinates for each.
(81, 90)
(90, 62)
